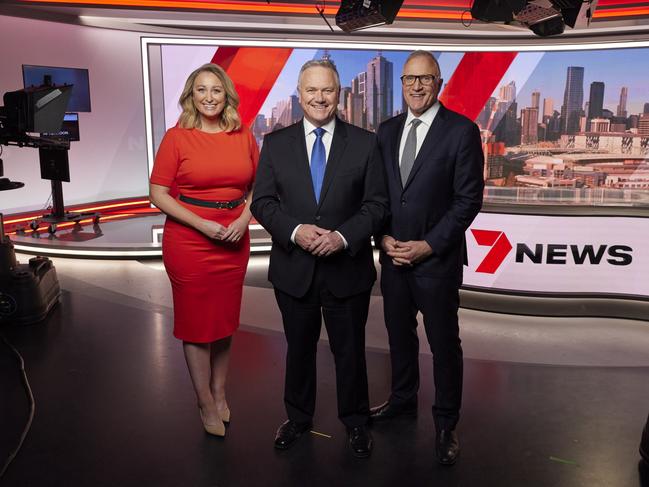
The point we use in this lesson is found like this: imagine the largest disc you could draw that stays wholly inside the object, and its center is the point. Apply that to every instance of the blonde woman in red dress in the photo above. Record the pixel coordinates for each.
(211, 159)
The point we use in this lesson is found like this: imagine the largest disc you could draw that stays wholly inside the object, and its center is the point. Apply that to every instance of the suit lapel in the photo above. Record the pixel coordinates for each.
(338, 144)
(301, 160)
(435, 132)
(395, 149)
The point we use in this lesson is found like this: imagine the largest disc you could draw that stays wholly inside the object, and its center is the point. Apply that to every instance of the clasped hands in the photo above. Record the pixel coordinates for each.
(318, 241)
(232, 233)
(405, 253)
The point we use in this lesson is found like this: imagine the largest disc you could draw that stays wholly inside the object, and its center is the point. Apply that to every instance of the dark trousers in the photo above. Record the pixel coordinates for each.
(404, 294)
(345, 320)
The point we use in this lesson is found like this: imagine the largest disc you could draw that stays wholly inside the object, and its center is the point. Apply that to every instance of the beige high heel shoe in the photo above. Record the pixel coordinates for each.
(225, 414)
(216, 429)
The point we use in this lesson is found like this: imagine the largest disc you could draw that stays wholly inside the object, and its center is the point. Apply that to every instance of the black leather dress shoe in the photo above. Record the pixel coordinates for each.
(447, 447)
(360, 441)
(288, 432)
(389, 411)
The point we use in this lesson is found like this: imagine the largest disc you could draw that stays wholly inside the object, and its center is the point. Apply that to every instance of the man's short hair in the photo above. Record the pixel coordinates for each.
(426, 54)
(323, 63)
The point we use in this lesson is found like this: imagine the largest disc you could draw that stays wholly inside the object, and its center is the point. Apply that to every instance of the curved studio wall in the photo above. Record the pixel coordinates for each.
(565, 135)
(556, 221)
(109, 160)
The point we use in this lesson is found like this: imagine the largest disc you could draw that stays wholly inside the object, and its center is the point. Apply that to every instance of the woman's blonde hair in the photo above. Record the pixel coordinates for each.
(190, 117)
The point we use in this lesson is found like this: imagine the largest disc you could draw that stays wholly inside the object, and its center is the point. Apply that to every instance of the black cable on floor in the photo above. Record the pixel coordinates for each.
(32, 406)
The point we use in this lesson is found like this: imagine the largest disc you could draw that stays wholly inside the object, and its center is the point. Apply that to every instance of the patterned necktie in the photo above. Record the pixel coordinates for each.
(409, 152)
(318, 162)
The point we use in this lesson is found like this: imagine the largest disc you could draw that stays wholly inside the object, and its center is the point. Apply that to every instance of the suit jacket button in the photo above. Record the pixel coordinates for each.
(403, 202)
(317, 218)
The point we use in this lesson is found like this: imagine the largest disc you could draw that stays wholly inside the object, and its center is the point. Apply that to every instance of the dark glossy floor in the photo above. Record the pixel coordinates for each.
(115, 408)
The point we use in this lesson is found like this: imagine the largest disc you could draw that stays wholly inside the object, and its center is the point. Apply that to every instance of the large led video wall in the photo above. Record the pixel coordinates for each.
(559, 127)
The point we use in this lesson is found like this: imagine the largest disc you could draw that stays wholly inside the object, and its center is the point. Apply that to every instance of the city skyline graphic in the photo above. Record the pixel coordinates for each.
(370, 88)
(566, 125)
(548, 72)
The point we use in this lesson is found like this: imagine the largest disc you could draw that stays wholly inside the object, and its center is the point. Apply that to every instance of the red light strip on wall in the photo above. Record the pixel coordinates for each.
(620, 12)
(617, 3)
(109, 206)
(305, 9)
(195, 5)
(462, 4)
(85, 221)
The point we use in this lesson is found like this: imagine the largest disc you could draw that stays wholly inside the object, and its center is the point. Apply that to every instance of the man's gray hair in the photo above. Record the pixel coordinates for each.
(426, 54)
(323, 63)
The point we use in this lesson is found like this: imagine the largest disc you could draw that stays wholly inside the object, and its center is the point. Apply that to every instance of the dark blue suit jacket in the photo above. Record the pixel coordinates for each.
(443, 193)
(353, 201)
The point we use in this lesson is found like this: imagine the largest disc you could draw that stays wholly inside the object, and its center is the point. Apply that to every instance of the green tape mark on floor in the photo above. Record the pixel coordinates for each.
(320, 434)
(564, 461)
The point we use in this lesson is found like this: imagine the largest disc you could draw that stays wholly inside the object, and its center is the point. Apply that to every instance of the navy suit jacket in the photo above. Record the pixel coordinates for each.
(442, 195)
(353, 200)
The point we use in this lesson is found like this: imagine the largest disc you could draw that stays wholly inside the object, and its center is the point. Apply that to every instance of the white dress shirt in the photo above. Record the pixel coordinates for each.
(310, 137)
(327, 137)
(422, 129)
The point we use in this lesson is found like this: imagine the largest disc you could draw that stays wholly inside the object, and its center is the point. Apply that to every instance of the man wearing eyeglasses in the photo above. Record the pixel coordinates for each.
(434, 165)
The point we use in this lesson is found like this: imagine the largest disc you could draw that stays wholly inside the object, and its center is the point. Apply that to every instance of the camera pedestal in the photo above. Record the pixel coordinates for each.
(27, 291)
(55, 166)
(59, 214)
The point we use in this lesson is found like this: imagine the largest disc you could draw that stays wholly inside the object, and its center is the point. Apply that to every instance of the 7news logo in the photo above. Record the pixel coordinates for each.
(620, 255)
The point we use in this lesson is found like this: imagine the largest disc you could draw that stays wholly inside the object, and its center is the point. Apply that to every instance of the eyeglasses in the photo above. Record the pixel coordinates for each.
(424, 79)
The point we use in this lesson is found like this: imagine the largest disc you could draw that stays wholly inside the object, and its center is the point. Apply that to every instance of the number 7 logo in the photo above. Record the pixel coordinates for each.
(500, 247)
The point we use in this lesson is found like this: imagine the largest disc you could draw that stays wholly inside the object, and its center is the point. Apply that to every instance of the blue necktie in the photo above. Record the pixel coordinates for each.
(318, 162)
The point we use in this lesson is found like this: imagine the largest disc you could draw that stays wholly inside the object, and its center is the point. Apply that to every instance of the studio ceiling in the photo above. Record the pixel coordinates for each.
(443, 20)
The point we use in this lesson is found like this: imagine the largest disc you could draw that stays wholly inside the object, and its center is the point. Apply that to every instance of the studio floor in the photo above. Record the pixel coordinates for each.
(548, 402)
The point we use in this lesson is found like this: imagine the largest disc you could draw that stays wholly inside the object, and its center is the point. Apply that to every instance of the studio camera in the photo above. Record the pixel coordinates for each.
(29, 291)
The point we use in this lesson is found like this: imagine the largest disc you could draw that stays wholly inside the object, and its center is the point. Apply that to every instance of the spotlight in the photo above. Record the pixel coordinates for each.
(543, 17)
(362, 14)
(543, 21)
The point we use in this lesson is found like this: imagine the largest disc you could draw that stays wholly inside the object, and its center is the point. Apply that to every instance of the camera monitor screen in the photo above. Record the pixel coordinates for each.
(47, 75)
(69, 128)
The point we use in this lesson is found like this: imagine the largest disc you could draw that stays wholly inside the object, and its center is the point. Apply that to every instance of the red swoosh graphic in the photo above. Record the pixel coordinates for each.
(254, 71)
(474, 81)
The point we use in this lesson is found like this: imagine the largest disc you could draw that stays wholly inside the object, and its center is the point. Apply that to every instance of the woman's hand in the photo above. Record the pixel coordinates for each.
(236, 230)
(212, 229)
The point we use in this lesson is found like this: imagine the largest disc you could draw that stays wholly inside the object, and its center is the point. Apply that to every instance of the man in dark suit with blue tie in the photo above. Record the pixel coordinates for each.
(320, 192)
(434, 168)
